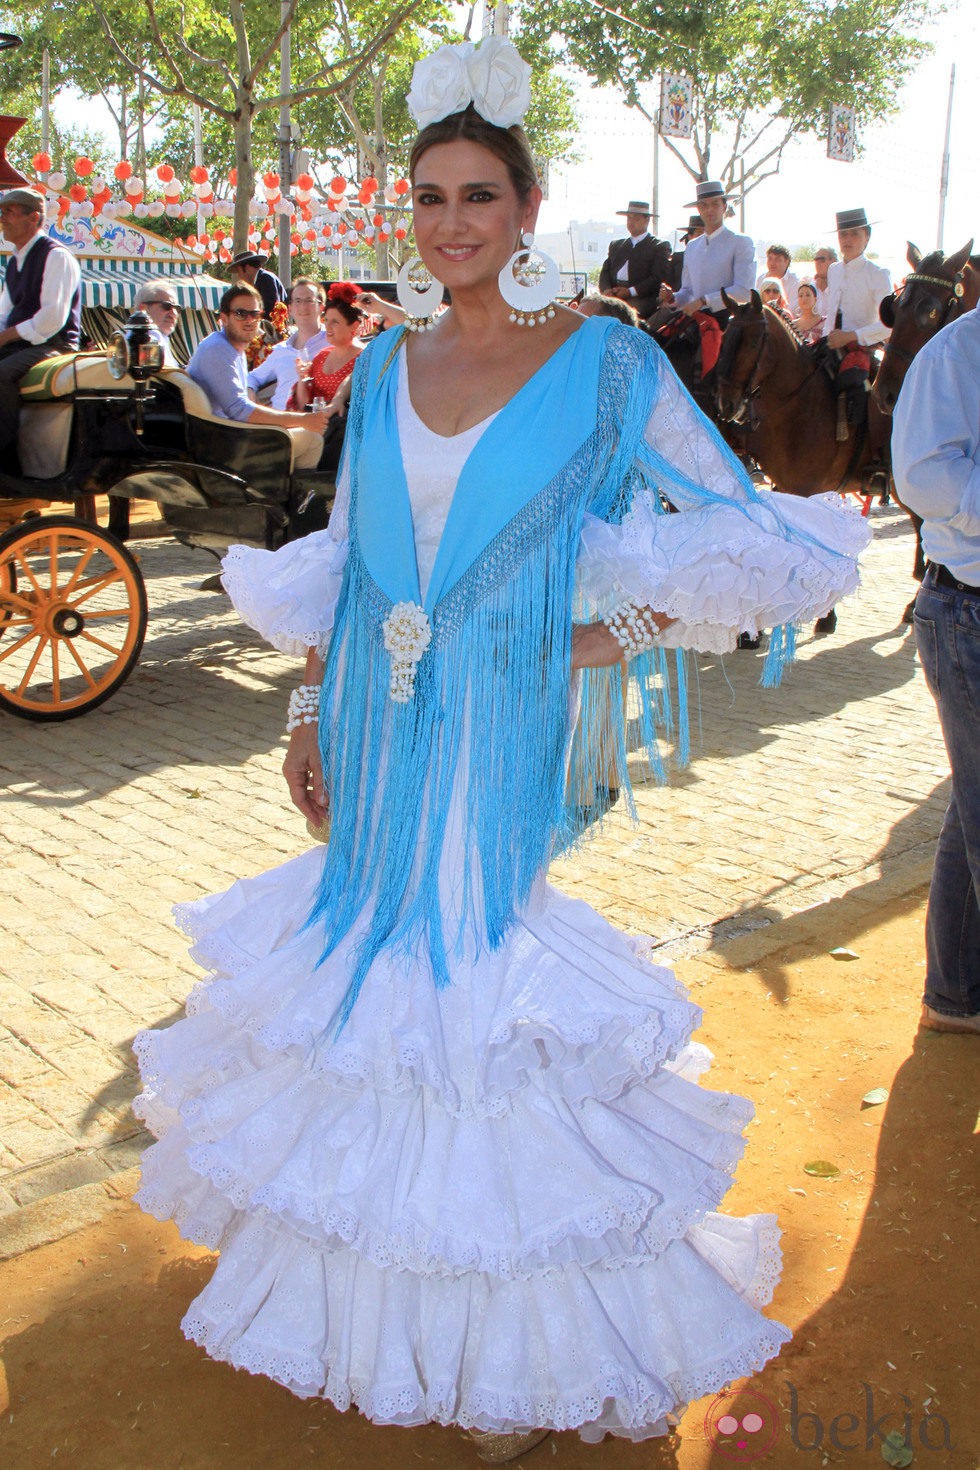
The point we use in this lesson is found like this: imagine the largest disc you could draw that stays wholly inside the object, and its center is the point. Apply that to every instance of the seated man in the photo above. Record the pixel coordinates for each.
(40, 305)
(159, 301)
(855, 290)
(220, 367)
(636, 268)
(777, 267)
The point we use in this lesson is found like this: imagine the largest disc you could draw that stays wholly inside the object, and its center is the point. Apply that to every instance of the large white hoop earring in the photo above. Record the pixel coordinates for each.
(419, 294)
(529, 283)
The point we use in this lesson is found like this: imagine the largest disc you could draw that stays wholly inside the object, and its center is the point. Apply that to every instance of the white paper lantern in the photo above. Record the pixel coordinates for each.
(99, 183)
(86, 209)
(141, 210)
(133, 186)
(57, 182)
(155, 209)
(207, 211)
(173, 189)
(123, 209)
(189, 209)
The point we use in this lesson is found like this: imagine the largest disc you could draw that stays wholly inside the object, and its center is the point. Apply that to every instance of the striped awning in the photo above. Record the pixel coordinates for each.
(111, 281)
(115, 283)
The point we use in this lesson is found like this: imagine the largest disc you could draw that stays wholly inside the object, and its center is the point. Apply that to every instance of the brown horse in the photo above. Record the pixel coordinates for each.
(938, 289)
(778, 391)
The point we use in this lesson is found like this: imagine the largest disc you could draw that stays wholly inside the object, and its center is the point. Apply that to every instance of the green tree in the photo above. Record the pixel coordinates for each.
(224, 57)
(763, 70)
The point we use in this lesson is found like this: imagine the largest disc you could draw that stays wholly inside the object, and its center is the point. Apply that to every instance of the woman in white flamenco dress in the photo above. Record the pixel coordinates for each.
(442, 1123)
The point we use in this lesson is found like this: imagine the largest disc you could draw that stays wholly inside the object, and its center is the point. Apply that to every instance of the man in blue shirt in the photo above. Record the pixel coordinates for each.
(220, 367)
(718, 258)
(936, 463)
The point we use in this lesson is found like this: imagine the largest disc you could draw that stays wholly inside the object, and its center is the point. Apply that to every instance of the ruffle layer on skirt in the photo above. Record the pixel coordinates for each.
(489, 1205)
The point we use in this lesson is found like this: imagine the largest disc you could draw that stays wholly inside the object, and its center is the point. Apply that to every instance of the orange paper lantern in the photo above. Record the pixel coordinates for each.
(84, 166)
(78, 192)
(402, 186)
(199, 174)
(165, 173)
(42, 163)
(123, 170)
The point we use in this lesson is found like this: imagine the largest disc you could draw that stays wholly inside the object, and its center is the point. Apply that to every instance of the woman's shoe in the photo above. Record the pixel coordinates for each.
(499, 1449)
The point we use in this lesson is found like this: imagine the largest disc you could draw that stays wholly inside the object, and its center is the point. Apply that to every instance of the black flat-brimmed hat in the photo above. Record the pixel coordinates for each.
(708, 189)
(694, 222)
(249, 257)
(853, 219)
(637, 206)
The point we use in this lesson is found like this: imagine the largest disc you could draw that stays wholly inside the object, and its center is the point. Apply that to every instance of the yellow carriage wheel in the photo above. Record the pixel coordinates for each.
(72, 617)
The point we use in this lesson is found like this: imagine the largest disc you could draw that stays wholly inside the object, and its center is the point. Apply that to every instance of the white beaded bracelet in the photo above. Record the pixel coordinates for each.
(633, 628)
(304, 707)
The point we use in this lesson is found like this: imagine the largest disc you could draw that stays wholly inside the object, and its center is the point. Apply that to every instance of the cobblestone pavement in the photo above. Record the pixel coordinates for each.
(172, 790)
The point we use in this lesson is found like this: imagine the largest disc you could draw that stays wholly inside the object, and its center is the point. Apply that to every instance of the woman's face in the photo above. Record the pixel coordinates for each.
(807, 298)
(771, 295)
(340, 332)
(468, 215)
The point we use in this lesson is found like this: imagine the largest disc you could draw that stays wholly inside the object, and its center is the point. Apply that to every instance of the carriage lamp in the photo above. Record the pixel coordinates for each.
(136, 349)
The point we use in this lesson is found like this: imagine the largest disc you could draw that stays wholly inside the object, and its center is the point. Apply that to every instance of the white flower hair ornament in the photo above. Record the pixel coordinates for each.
(491, 74)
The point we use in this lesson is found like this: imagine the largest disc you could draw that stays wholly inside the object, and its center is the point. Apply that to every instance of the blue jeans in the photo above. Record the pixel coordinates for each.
(947, 632)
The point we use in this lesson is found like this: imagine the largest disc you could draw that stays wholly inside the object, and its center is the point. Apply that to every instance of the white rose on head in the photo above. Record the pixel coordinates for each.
(500, 79)
(493, 76)
(440, 84)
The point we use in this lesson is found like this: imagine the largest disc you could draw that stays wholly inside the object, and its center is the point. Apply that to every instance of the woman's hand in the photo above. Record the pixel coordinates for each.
(594, 647)
(304, 776)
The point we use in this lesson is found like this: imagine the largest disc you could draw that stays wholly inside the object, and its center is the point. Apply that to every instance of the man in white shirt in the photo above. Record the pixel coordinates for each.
(40, 305)
(636, 267)
(777, 268)
(158, 299)
(719, 259)
(855, 289)
(936, 461)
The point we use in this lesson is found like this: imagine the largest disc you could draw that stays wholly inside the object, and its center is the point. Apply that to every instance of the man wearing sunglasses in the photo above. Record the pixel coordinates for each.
(220, 367)
(157, 299)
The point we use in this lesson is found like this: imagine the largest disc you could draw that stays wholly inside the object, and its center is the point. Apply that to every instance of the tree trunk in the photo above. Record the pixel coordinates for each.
(245, 187)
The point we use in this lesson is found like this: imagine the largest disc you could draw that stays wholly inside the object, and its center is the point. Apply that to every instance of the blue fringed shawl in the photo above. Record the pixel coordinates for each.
(491, 704)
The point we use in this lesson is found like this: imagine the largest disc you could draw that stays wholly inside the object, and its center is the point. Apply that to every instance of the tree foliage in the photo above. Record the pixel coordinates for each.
(763, 70)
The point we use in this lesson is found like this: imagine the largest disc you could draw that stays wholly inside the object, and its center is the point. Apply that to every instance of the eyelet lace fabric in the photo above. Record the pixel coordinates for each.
(386, 1238)
(491, 1203)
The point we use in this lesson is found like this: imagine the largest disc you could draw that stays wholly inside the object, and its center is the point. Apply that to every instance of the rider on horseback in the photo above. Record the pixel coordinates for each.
(718, 258)
(855, 288)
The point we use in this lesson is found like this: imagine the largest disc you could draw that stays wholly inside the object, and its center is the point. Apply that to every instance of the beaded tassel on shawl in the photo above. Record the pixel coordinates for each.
(490, 713)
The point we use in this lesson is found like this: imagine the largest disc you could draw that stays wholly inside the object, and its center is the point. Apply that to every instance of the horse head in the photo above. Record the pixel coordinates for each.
(933, 294)
(737, 377)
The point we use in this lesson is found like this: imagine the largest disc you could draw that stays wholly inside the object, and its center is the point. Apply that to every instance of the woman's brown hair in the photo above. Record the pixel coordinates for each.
(510, 145)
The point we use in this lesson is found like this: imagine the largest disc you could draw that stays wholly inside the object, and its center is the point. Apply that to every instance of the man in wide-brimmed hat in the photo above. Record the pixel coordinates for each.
(695, 228)
(248, 268)
(855, 289)
(637, 266)
(718, 259)
(40, 304)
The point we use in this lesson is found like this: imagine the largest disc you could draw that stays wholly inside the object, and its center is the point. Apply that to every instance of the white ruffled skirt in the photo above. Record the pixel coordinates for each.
(491, 1205)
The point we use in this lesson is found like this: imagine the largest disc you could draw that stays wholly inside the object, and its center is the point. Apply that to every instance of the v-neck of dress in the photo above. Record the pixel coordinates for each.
(491, 486)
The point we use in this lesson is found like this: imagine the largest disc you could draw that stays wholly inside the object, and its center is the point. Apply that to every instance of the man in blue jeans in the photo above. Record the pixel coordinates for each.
(936, 460)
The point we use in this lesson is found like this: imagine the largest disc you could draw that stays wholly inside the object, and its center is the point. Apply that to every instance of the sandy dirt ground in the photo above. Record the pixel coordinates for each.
(880, 1283)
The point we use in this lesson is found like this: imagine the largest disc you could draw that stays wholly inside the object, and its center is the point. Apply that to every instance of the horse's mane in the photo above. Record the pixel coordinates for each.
(796, 341)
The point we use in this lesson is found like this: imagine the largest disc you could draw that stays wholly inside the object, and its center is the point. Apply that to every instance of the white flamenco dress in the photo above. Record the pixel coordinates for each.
(492, 1204)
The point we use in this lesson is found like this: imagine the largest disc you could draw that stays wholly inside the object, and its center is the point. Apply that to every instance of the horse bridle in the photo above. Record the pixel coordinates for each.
(752, 389)
(954, 290)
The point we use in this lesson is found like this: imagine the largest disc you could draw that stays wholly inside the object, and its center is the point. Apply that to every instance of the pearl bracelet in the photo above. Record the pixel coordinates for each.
(304, 707)
(633, 628)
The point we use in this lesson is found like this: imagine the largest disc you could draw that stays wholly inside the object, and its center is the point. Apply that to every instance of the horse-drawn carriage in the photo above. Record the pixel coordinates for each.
(72, 600)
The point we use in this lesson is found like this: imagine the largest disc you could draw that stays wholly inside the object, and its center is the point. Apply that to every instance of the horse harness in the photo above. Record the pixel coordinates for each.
(954, 298)
(751, 391)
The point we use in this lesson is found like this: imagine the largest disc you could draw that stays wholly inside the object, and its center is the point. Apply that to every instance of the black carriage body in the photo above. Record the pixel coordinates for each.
(216, 481)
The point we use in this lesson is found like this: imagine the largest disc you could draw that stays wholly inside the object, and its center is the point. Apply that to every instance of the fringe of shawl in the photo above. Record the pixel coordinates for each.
(491, 705)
